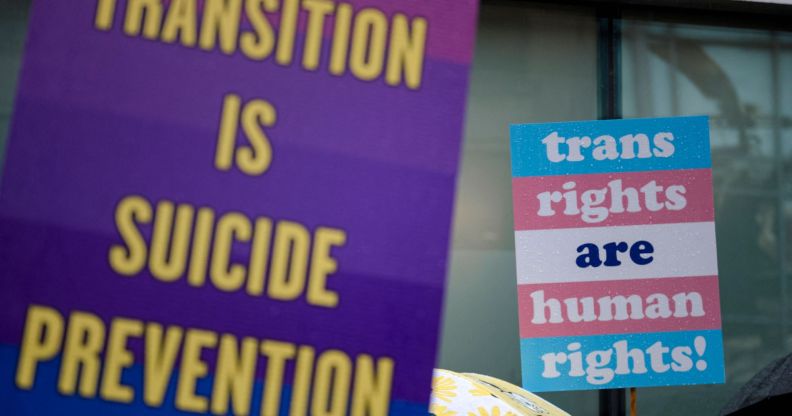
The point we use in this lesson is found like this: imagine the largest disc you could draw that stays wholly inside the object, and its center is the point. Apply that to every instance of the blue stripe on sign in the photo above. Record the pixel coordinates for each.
(627, 360)
(44, 399)
(690, 142)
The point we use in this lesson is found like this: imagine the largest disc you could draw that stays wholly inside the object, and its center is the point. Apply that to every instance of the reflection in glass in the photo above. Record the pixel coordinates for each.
(742, 79)
(532, 64)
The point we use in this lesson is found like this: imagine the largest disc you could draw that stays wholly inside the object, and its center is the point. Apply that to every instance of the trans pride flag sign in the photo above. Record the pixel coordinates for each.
(615, 247)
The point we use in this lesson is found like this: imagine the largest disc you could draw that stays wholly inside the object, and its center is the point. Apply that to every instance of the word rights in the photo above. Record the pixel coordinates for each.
(615, 247)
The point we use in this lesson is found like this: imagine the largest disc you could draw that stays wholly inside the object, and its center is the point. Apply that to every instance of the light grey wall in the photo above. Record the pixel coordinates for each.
(532, 64)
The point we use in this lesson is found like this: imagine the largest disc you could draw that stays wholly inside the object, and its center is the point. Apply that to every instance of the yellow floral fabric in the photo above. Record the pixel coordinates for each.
(465, 394)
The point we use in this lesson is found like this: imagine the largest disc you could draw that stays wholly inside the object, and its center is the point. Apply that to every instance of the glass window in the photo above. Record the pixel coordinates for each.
(536, 63)
(533, 63)
(742, 79)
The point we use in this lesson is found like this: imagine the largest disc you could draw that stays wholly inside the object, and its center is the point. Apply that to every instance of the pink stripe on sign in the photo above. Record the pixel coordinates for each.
(598, 200)
(618, 307)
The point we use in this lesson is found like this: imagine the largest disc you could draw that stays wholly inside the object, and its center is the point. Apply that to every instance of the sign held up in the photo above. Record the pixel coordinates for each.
(615, 249)
(228, 206)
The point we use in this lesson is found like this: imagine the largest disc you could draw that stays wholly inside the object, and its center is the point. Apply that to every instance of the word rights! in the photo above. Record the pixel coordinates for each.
(615, 247)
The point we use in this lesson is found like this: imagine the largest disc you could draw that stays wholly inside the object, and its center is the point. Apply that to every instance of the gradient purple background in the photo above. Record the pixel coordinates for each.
(100, 115)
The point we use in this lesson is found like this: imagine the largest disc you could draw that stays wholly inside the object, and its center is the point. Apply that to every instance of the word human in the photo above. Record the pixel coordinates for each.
(94, 356)
(615, 308)
(607, 147)
(595, 205)
(364, 42)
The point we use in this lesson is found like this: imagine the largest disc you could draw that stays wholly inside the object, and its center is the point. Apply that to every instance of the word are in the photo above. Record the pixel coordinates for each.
(607, 147)
(640, 254)
(597, 367)
(595, 205)
(93, 360)
(196, 244)
(618, 308)
(366, 41)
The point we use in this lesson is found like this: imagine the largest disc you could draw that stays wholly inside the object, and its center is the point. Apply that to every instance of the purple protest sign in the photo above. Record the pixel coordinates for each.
(230, 206)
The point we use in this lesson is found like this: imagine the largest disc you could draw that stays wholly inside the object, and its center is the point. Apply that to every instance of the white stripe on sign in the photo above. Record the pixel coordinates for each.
(677, 250)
